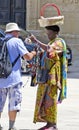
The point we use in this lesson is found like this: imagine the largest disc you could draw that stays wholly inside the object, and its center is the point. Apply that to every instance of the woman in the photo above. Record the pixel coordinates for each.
(46, 101)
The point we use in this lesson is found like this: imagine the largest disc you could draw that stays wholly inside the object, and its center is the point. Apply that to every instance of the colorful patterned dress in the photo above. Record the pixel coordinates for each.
(46, 100)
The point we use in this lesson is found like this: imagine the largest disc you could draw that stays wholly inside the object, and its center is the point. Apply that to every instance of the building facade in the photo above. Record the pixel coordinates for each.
(13, 11)
(27, 12)
(68, 8)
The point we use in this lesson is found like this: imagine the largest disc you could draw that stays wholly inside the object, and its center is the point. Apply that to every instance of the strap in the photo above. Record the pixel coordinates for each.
(8, 38)
(15, 60)
(13, 63)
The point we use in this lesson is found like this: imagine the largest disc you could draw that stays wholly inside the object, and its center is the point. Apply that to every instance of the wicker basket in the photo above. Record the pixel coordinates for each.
(49, 21)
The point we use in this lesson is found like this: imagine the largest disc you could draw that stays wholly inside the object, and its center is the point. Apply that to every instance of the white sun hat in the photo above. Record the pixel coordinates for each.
(12, 27)
(49, 21)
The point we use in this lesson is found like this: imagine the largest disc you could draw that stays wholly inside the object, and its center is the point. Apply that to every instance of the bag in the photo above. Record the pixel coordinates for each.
(42, 75)
(5, 63)
(42, 72)
(49, 63)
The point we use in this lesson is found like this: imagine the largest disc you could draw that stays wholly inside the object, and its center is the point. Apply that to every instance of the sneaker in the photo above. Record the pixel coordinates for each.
(1, 128)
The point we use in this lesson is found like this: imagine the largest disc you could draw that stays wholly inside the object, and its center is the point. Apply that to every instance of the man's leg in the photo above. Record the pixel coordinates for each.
(3, 96)
(12, 118)
(14, 104)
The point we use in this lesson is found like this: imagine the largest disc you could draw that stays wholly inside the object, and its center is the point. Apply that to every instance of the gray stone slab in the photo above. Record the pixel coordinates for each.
(68, 111)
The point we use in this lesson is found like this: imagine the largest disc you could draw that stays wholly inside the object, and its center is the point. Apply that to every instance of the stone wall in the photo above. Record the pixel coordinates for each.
(70, 10)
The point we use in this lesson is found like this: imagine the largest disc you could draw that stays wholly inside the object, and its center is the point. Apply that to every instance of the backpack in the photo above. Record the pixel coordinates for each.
(5, 63)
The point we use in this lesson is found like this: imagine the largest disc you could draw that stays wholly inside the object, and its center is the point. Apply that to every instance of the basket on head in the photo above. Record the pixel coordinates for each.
(49, 21)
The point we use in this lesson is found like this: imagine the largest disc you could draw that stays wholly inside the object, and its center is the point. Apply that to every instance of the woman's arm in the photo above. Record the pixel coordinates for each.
(36, 41)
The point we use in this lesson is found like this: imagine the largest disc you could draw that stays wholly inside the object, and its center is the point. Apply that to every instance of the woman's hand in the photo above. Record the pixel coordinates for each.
(33, 38)
(51, 52)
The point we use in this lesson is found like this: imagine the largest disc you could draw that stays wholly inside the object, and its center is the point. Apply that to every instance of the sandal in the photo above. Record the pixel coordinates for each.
(51, 128)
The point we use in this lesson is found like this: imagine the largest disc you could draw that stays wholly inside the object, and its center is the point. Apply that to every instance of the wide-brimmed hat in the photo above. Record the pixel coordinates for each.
(12, 27)
(49, 21)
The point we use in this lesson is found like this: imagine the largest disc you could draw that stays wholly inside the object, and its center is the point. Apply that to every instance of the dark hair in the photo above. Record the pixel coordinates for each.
(54, 28)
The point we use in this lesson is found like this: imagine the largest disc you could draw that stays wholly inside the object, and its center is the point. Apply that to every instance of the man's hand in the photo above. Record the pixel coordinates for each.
(34, 53)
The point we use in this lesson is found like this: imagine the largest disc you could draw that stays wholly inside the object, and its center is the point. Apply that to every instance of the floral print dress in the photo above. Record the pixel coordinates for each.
(46, 100)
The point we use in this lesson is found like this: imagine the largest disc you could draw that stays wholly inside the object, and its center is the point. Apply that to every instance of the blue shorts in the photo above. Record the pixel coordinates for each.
(14, 96)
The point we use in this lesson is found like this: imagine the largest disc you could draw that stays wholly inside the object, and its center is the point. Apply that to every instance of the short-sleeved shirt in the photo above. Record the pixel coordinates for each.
(15, 47)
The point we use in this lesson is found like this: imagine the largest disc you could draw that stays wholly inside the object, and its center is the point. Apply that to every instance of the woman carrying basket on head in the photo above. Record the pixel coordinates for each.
(46, 100)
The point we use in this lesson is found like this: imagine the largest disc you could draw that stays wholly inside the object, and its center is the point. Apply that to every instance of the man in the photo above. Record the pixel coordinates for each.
(12, 85)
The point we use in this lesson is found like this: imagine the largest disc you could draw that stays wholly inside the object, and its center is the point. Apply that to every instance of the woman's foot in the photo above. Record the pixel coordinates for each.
(51, 128)
(48, 126)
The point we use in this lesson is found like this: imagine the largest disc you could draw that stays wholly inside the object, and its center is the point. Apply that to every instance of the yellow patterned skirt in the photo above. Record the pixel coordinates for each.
(46, 99)
(46, 104)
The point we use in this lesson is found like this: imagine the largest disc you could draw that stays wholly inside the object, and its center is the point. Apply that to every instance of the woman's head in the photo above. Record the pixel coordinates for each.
(52, 31)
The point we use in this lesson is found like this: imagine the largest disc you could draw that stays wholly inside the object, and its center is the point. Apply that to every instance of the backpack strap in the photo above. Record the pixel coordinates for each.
(8, 38)
(14, 62)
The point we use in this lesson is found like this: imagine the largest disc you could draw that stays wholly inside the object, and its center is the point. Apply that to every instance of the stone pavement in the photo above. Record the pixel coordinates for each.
(68, 111)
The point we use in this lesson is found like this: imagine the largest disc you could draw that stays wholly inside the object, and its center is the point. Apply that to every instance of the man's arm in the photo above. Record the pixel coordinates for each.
(29, 55)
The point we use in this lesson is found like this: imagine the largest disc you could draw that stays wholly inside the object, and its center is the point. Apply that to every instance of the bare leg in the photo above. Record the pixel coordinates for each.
(12, 118)
(12, 115)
